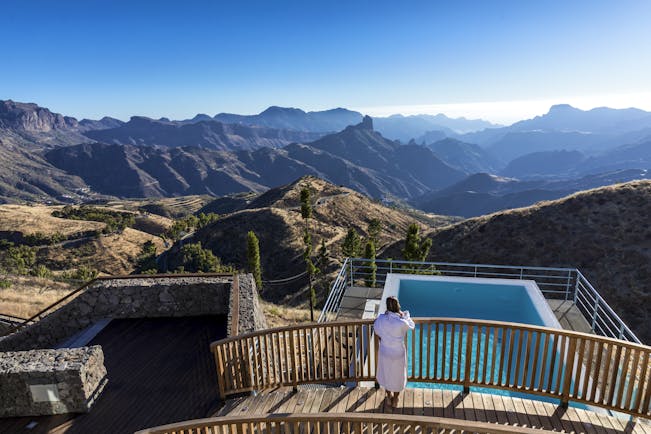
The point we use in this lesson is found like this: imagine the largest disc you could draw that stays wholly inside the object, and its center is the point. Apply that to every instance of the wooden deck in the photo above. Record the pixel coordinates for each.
(434, 402)
(160, 371)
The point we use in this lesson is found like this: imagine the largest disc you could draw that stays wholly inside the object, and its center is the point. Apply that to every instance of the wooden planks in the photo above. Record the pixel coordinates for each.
(479, 407)
(160, 370)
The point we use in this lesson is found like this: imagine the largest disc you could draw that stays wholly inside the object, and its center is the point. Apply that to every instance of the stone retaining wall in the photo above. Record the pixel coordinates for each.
(44, 382)
(125, 298)
(251, 317)
(78, 375)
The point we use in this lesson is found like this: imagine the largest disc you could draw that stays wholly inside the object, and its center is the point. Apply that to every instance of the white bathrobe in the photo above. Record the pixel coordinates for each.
(392, 355)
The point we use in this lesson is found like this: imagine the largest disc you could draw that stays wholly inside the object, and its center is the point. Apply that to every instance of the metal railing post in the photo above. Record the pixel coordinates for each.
(352, 277)
(576, 285)
(594, 314)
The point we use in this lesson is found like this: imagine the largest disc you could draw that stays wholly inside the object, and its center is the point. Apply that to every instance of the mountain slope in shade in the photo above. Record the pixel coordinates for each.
(544, 164)
(358, 157)
(564, 117)
(605, 233)
(296, 119)
(103, 124)
(482, 193)
(463, 156)
(204, 134)
(406, 128)
(276, 219)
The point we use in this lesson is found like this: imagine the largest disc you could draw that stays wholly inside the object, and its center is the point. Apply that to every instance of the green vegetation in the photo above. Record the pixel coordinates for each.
(4, 284)
(352, 245)
(188, 224)
(18, 259)
(84, 273)
(415, 249)
(116, 221)
(253, 258)
(374, 229)
(196, 259)
(306, 213)
(147, 258)
(371, 268)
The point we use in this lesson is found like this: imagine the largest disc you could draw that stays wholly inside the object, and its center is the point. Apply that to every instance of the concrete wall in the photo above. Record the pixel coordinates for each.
(74, 378)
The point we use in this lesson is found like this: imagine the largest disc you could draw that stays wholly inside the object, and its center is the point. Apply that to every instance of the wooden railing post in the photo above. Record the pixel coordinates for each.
(567, 373)
(466, 374)
(221, 372)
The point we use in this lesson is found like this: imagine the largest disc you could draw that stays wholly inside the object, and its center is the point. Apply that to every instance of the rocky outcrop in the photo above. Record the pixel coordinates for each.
(32, 118)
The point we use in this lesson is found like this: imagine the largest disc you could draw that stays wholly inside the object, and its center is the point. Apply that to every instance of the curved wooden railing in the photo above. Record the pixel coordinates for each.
(555, 363)
(349, 423)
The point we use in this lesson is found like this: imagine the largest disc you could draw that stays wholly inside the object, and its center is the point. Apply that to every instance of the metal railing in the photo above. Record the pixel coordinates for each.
(561, 364)
(555, 283)
(350, 423)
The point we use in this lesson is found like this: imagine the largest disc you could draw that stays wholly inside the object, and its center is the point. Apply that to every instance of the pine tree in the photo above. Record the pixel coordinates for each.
(253, 258)
(371, 268)
(415, 249)
(352, 244)
(373, 230)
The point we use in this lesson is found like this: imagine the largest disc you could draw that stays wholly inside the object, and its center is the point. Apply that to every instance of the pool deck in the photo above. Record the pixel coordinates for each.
(473, 406)
(354, 305)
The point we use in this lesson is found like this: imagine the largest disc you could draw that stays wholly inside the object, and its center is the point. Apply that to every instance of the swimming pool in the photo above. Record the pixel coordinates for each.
(465, 297)
(516, 301)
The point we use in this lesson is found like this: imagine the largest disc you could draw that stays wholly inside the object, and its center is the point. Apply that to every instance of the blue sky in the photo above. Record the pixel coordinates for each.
(502, 60)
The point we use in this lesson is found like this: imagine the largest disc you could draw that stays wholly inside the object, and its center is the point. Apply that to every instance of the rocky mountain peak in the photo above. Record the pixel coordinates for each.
(366, 124)
(32, 118)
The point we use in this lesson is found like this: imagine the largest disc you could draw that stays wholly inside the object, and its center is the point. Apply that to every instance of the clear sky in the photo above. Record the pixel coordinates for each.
(501, 60)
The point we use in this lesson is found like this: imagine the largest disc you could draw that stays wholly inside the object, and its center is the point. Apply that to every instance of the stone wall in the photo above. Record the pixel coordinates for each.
(43, 382)
(251, 317)
(125, 298)
(78, 375)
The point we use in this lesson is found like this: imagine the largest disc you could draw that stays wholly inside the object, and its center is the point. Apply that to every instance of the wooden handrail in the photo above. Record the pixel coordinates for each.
(337, 423)
(102, 278)
(562, 364)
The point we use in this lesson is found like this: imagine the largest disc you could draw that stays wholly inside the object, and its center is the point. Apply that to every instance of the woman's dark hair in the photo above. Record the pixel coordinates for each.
(393, 305)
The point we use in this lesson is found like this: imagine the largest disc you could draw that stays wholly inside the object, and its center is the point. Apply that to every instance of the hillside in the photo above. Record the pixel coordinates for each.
(605, 233)
(78, 243)
(275, 217)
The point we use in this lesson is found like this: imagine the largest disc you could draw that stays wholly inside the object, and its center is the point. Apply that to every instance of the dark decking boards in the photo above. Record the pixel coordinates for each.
(474, 406)
(160, 371)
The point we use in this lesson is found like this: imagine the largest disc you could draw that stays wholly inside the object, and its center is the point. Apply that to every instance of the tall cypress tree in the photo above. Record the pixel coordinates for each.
(253, 258)
(306, 213)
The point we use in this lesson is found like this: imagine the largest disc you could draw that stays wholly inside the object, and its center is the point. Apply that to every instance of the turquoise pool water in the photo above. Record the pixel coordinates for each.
(455, 299)
(487, 301)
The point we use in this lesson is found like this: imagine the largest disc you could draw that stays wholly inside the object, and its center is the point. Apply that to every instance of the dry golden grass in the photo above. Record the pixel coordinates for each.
(113, 254)
(38, 218)
(27, 295)
(279, 315)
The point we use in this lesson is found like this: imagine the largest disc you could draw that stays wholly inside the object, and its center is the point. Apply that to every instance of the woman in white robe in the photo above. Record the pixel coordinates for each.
(391, 327)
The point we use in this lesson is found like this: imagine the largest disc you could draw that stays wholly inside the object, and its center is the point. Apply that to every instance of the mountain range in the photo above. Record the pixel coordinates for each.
(48, 156)
(357, 157)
